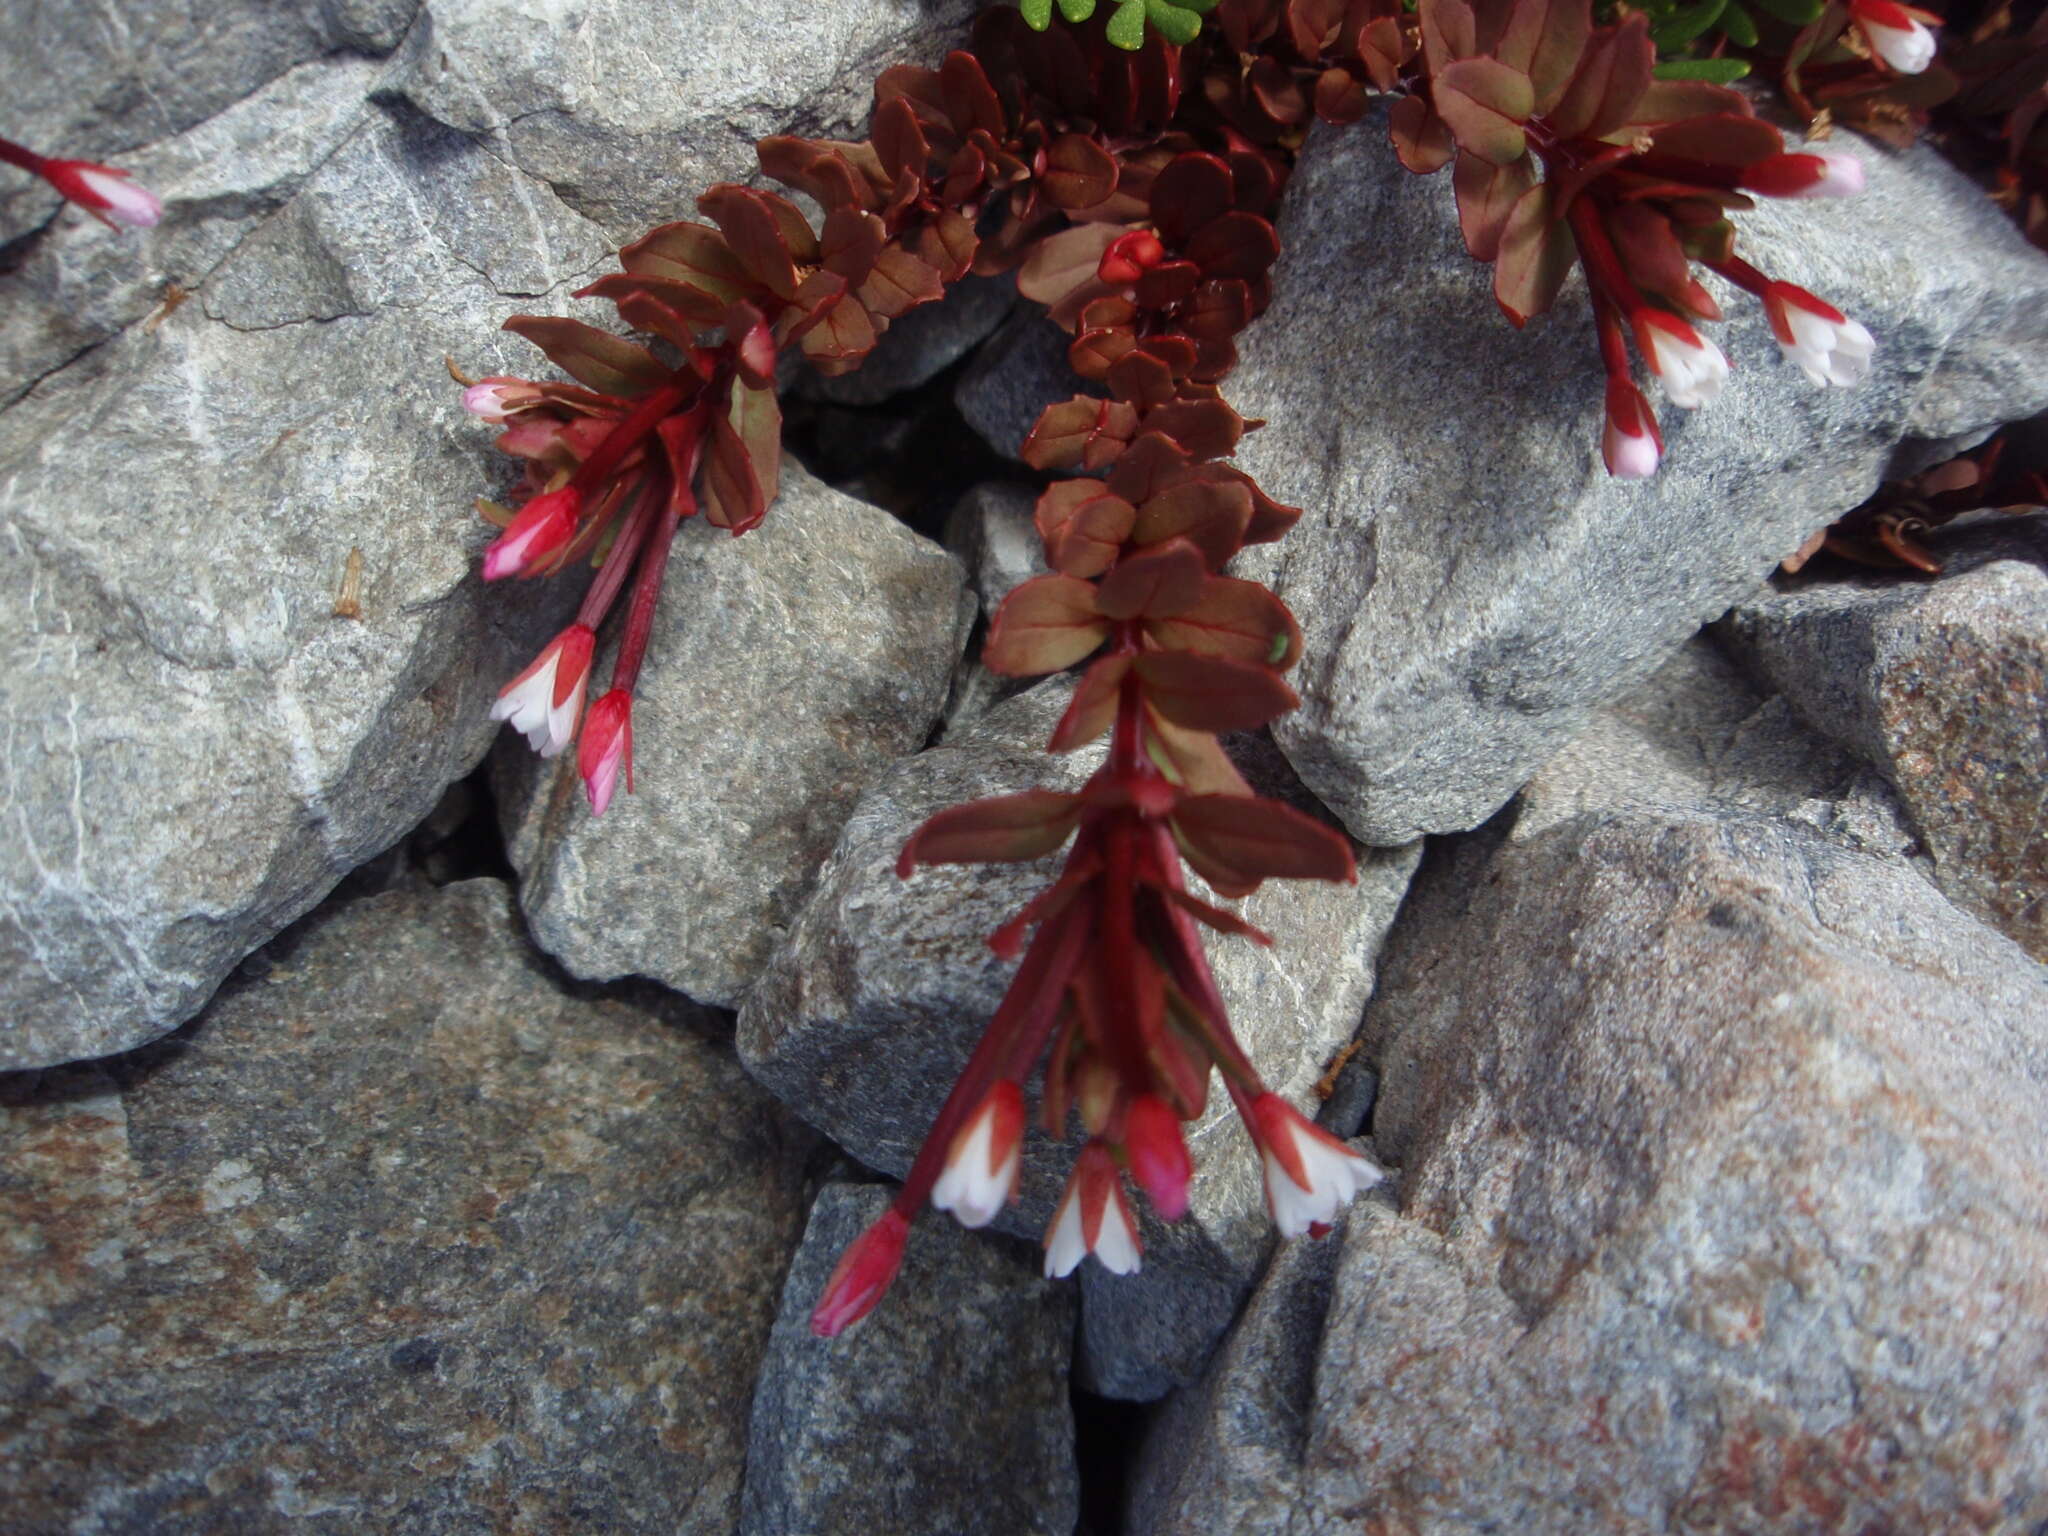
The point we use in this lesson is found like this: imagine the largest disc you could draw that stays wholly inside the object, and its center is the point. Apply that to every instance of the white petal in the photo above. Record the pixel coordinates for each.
(126, 202)
(966, 1187)
(1116, 1245)
(1065, 1249)
(526, 704)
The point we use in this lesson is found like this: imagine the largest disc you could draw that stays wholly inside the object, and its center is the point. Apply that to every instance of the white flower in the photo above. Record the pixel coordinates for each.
(495, 400)
(1630, 445)
(1094, 1217)
(1828, 346)
(1310, 1175)
(981, 1165)
(1895, 34)
(1691, 368)
(120, 199)
(544, 701)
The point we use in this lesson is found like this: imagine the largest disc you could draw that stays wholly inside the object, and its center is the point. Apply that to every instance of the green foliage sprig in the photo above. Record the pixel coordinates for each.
(1178, 21)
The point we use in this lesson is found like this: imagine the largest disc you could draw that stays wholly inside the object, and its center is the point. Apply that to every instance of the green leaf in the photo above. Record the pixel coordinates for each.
(1687, 23)
(1127, 27)
(1037, 13)
(1713, 71)
(1798, 12)
(1172, 22)
(1737, 26)
(1077, 11)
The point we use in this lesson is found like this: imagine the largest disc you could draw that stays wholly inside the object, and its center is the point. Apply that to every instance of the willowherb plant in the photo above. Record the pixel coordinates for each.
(1130, 181)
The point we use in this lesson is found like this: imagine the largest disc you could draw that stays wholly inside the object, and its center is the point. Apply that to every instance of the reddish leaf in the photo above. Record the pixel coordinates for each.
(1167, 284)
(1006, 830)
(1536, 255)
(1671, 101)
(1045, 625)
(1083, 526)
(701, 306)
(695, 254)
(1236, 843)
(898, 139)
(1142, 379)
(1487, 194)
(756, 419)
(1485, 103)
(1078, 174)
(835, 328)
(948, 244)
(1339, 98)
(730, 483)
(766, 232)
(1383, 47)
(899, 283)
(1065, 262)
(971, 102)
(1093, 352)
(1193, 760)
(1730, 139)
(1155, 584)
(1448, 32)
(1153, 463)
(1093, 706)
(850, 243)
(1647, 247)
(821, 171)
(1081, 433)
(1177, 352)
(607, 363)
(1192, 190)
(1420, 138)
(753, 345)
(1213, 693)
(1545, 39)
(1216, 917)
(1207, 429)
(1237, 244)
(1209, 514)
(1238, 619)
(1610, 83)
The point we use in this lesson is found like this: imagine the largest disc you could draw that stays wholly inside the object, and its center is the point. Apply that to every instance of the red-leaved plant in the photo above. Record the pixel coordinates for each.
(1133, 191)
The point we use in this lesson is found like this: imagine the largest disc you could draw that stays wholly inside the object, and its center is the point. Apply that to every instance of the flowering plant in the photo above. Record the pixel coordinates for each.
(1130, 179)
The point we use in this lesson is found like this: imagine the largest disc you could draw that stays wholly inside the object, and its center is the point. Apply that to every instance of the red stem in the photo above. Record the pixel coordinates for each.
(646, 593)
(1741, 274)
(627, 435)
(1602, 263)
(618, 560)
(22, 155)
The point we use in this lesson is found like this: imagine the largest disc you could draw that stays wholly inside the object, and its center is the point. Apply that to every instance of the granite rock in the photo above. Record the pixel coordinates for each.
(1723, 1206)
(919, 346)
(1942, 685)
(1471, 583)
(197, 746)
(787, 669)
(402, 1236)
(1018, 372)
(943, 1411)
(992, 532)
(867, 1011)
(628, 109)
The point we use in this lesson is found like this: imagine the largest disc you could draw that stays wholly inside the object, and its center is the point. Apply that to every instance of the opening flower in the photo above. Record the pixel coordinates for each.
(544, 701)
(1828, 346)
(866, 1270)
(544, 525)
(1691, 368)
(1094, 1217)
(498, 399)
(1159, 1155)
(1819, 173)
(980, 1176)
(109, 195)
(1310, 1174)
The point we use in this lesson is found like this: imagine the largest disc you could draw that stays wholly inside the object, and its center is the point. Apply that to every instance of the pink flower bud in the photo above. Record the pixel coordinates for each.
(1827, 173)
(607, 745)
(864, 1273)
(1896, 33)
(498, 399)
(1827, 346)
(1093, 1217)
(1310, 1174)
(544, 700)
(1159, 1155)
(1631, 445)
(1130, 257)
(544, 525)
(980, 1176)
(107, 194)
(1691, 368)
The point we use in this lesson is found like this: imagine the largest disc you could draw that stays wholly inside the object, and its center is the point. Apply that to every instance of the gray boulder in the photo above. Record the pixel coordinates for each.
(1019, 372)
(1723, 1206)
(788, 668)
(630, 108)
(200, 747)
(870, 1007)
(1943, 686)
(208, 417)
(1471, 583)
(943, 1411)
(402, 1236)
(919, 346)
